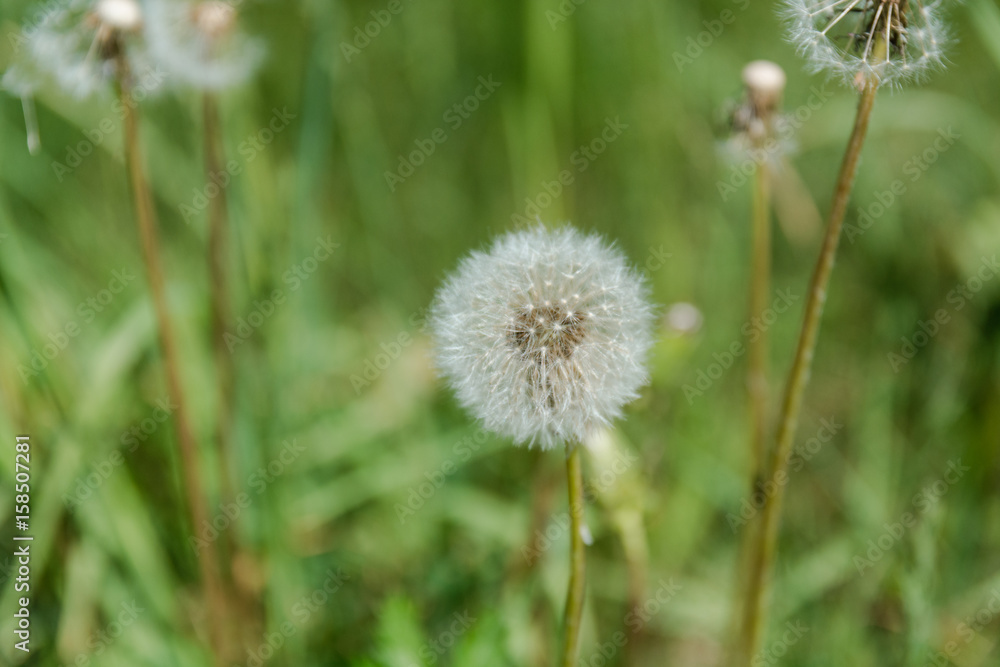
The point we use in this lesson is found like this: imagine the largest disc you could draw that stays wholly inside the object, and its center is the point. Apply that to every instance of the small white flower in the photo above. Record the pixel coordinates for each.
(199, 43)
(840, 37)
(545, 336)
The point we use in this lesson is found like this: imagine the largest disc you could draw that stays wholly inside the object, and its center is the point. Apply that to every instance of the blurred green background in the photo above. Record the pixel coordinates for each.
(394, 533)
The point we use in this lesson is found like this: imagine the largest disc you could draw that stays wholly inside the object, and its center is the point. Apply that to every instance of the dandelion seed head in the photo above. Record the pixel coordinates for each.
(75, 48)
(842, 38)
(545, 336)
(200, 44)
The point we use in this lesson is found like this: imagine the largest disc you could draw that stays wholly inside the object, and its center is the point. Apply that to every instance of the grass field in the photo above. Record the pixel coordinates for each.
(376, 524)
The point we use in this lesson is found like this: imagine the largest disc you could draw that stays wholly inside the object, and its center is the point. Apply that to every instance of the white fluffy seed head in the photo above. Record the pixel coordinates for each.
(200, 44)
(841, 38)
(544, 337)
(74, 46)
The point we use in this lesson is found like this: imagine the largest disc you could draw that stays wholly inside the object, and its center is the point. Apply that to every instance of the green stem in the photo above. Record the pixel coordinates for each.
(754, 616)
(757, 389)
(577, 572)
(218, 247)
(197, 504)
(760, 287)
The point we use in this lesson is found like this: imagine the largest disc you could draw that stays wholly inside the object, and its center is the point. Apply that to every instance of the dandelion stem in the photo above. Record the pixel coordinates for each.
(757, 386)
(760, 287)
(575, 594)
(147, 224)
(754, 613)
(218, 253)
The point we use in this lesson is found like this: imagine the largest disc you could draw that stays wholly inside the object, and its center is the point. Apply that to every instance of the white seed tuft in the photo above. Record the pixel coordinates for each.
(534, 371)
(74, 47)
(199, 43)
(839, 38)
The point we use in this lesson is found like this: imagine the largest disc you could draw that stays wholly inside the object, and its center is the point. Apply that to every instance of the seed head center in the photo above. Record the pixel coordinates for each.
(547, 333)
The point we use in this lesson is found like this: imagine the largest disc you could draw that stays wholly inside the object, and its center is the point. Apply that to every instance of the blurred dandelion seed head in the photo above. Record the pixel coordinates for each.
(842, 38)
(75, 48)
(200, 44)
(544, 337)
(683, 319)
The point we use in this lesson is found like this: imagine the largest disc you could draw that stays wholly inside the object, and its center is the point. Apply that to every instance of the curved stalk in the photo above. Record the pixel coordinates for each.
(754, 615)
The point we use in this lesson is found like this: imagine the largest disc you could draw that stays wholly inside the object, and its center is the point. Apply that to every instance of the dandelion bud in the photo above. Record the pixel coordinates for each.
(754, 122)
(214, 18)
(765, 83)
(883, 41)
(544, 337)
